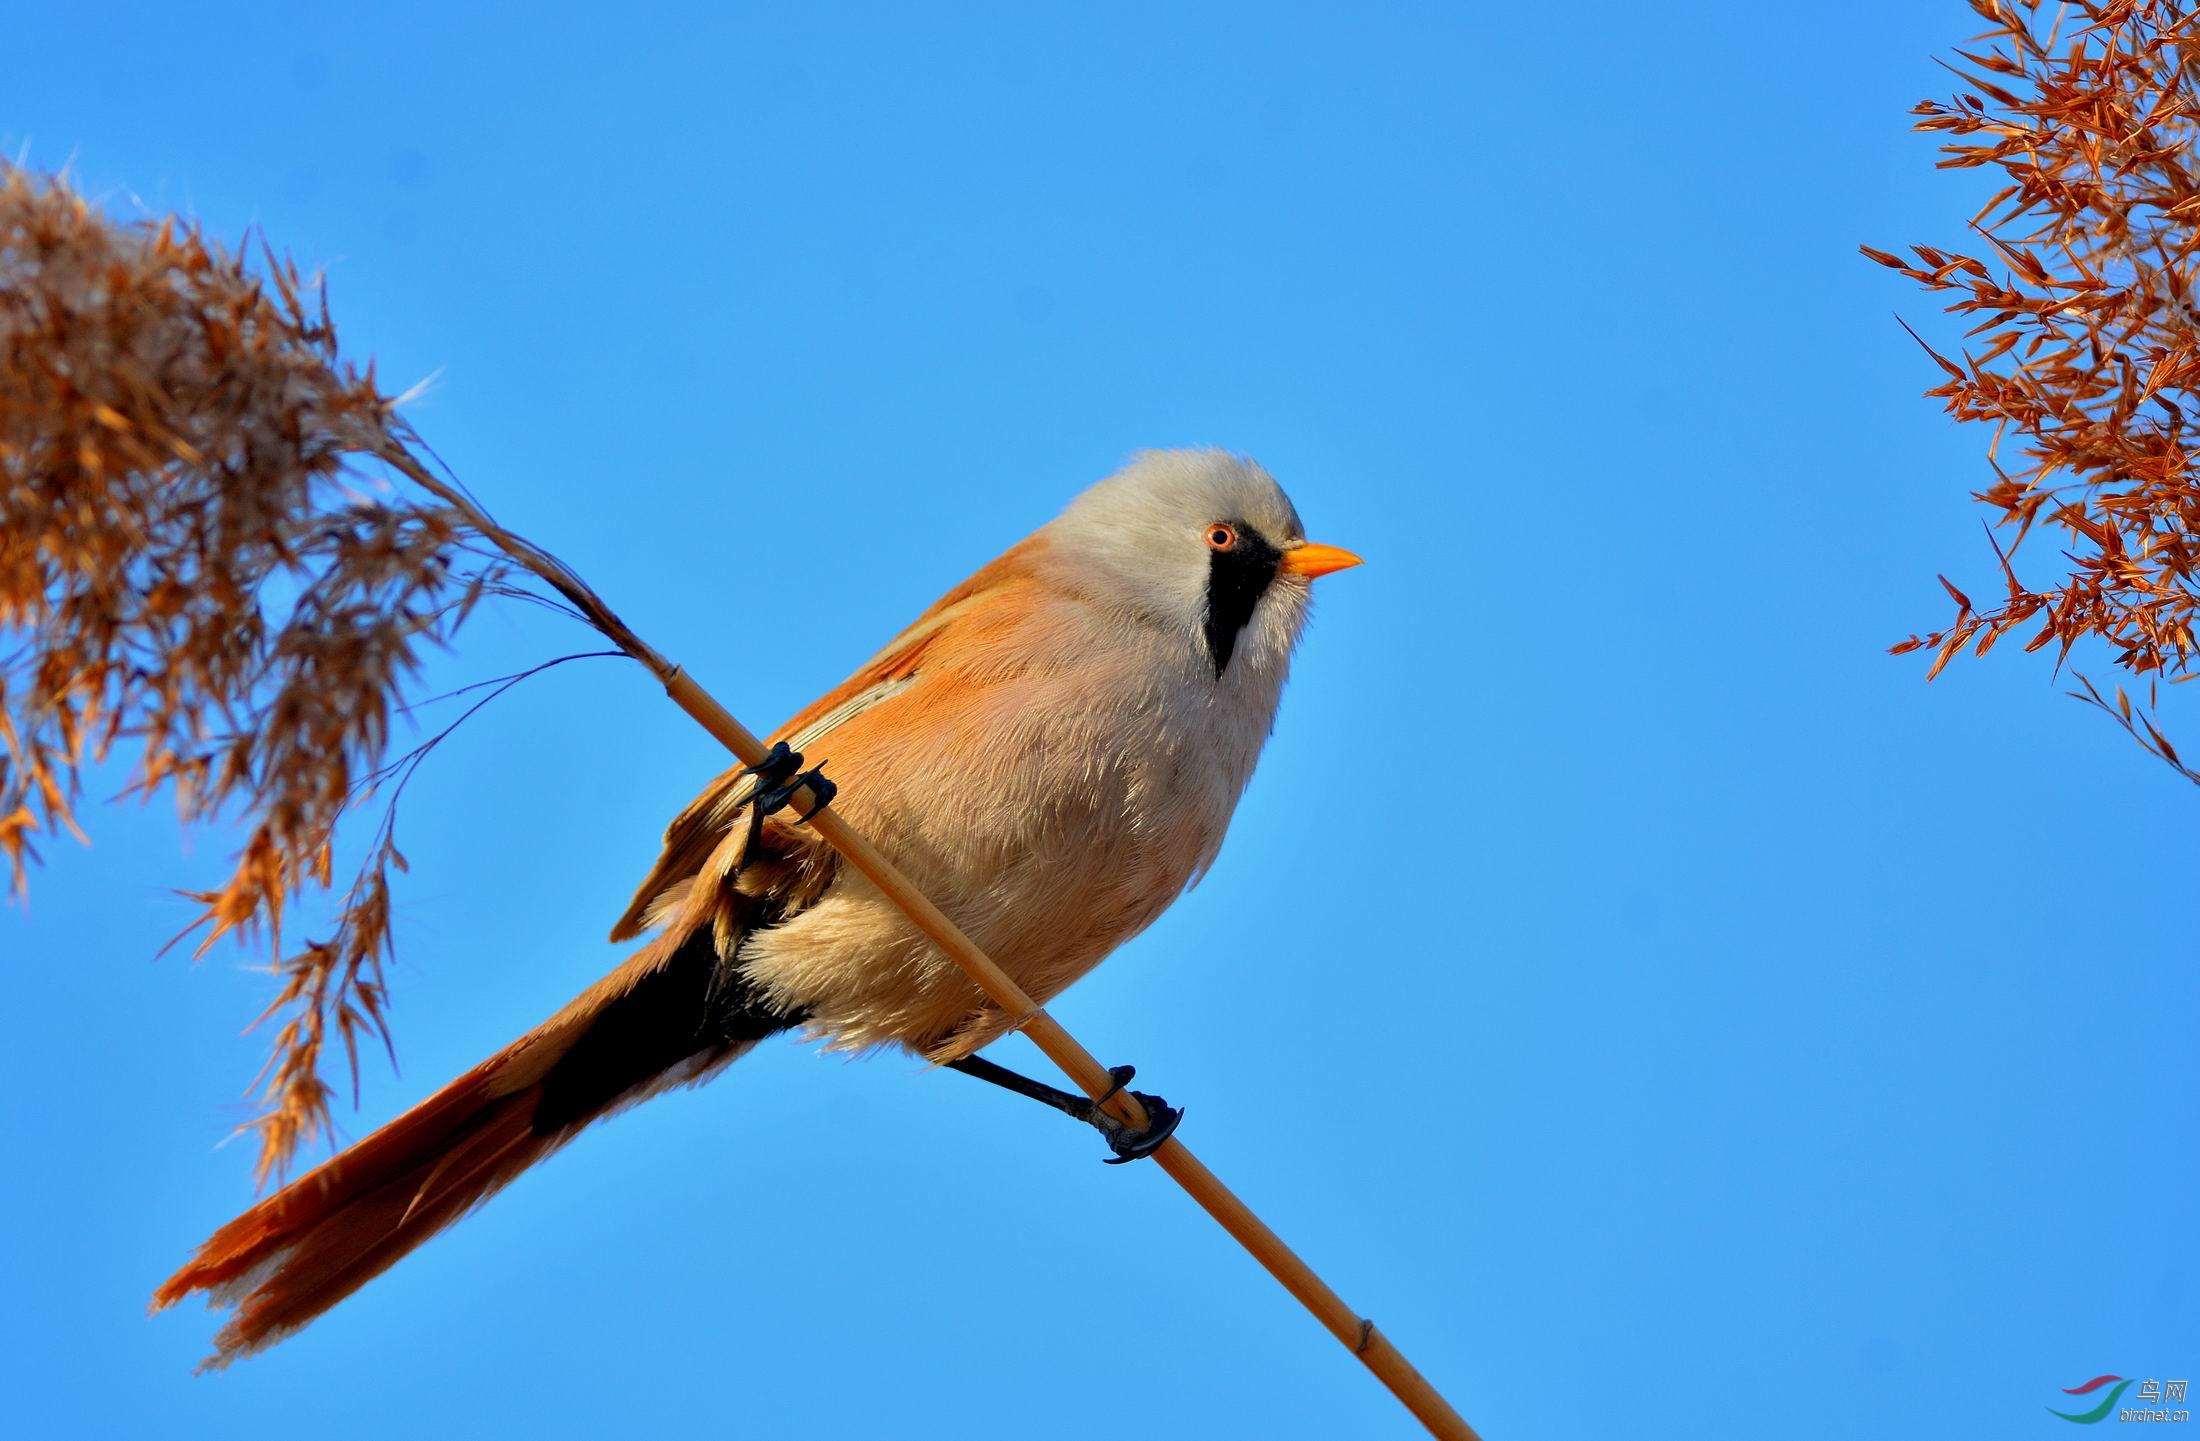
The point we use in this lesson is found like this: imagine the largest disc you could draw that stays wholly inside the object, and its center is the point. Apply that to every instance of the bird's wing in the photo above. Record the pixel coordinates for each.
(700, 833)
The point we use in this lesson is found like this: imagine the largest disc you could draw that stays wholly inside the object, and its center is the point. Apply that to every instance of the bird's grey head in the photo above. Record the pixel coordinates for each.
(1204, 544)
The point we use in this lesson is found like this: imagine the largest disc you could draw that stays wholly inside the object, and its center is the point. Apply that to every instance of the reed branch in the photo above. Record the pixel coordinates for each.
(2082, 354)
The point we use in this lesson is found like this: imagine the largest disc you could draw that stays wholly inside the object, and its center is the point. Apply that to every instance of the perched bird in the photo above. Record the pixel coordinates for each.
(1052, 753)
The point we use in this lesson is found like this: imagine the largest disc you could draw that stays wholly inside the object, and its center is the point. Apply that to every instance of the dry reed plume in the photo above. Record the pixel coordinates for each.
(2088, 351)
(191, 568)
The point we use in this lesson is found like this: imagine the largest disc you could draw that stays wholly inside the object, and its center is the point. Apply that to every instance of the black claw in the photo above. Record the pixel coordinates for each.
(823, 789)
(1130, 1145)
(1122, 1076)
(779, 775)
(1161, 1123)
(778, 763)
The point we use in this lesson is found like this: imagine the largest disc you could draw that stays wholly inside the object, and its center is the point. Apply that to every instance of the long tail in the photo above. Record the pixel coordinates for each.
(671, 1016)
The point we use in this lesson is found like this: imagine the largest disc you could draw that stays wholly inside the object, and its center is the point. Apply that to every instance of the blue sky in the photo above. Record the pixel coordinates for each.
(1657, 1007)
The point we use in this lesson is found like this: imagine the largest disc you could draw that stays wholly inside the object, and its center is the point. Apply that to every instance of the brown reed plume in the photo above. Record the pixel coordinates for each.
(190, 567)
(2088, 351)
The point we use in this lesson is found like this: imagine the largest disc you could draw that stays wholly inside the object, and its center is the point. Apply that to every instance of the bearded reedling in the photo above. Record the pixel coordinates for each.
(1055, 749)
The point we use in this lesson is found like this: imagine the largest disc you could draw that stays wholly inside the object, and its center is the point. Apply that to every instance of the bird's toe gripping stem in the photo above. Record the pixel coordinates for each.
(780, 774)
(1129, 1145)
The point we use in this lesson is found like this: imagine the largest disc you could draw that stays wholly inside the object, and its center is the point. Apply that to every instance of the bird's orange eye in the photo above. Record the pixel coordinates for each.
(1222, 537)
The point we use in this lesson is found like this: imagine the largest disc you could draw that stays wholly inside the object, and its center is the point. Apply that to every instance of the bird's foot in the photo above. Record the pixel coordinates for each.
(1129, 1145)
(781, 774)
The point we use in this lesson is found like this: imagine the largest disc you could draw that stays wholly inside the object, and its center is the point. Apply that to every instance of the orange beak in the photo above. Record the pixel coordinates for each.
(1312, 560)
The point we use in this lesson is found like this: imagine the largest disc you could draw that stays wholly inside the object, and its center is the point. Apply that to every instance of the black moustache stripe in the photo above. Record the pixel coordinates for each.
(1236, 580)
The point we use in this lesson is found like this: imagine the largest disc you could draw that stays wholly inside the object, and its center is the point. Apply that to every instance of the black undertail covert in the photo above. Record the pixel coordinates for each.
(693, 1004)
